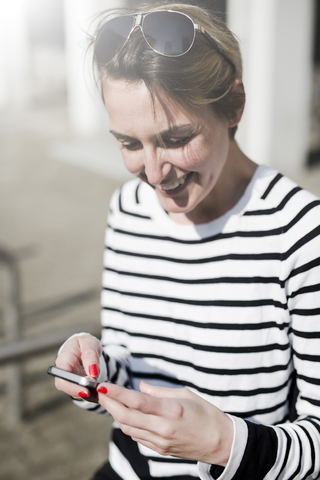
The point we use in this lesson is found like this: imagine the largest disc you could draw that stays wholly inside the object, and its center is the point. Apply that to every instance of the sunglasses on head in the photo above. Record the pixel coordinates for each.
(167, 32)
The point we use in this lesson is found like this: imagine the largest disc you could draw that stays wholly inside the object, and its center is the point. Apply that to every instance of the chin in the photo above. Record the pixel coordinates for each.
(172, 207)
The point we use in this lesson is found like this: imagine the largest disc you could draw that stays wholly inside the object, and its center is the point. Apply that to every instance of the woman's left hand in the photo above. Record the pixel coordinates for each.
(170, 421)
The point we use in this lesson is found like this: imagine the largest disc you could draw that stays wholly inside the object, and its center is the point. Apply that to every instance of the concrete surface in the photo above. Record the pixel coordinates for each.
(53, 216)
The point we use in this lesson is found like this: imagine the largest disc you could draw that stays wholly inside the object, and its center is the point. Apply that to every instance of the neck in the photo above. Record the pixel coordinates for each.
(230, 187)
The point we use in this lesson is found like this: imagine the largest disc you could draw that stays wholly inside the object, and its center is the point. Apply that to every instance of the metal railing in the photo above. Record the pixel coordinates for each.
(10, 283)
(15, 348)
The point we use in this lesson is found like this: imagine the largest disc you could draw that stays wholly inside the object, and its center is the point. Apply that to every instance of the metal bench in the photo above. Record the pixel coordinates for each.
(15, 349)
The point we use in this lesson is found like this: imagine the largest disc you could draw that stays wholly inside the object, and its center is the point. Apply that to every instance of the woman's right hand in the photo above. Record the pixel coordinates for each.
(80, 354)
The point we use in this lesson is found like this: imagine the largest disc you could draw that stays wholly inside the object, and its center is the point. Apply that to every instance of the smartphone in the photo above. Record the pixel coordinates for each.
(82, 380)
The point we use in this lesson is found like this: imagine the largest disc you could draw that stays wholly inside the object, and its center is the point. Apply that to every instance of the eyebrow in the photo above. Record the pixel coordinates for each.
(121, 135)
(175, 128)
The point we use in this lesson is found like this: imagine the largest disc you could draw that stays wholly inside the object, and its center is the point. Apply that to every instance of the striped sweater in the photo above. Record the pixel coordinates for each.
(229, 309)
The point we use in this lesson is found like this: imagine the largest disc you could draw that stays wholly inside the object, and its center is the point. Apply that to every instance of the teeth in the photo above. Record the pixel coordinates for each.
(175, 184)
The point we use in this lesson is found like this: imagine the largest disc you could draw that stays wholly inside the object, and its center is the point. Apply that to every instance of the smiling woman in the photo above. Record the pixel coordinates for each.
(183, 156)
(209, 360)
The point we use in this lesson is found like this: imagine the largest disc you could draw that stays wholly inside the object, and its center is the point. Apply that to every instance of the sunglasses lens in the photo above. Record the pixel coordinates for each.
(112, 37)
(168, 33)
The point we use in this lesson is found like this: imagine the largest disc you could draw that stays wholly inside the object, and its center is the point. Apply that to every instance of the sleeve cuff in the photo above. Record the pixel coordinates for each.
(103, 375)
(237, 451)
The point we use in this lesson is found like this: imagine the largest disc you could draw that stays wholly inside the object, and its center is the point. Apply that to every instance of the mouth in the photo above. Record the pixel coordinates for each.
(175, 187)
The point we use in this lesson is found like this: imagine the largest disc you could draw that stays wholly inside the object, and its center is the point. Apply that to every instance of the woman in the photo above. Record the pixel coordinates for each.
(211, 283)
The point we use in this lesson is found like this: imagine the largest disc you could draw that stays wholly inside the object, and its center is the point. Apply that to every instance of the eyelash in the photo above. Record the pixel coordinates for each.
(174, 143)
(179, 142)
(131, 146)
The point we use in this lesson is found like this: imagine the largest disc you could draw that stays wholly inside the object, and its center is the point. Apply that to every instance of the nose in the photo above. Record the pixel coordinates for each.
(156, 164)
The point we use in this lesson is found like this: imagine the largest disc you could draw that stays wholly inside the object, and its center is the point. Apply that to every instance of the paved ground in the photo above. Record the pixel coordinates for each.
(53, 215)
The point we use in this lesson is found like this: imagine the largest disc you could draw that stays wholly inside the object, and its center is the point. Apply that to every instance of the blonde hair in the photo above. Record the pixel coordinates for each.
(200, 77)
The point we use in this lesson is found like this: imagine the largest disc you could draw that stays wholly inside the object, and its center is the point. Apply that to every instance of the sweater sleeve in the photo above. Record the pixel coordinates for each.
(290, 450)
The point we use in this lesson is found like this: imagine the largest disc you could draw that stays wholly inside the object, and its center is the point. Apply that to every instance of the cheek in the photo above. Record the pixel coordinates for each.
(207, 156)
(133, 162)
(197, 158)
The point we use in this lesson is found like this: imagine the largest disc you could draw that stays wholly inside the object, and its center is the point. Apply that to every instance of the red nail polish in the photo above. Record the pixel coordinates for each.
(102, 390)
(83, 394)
(93, 370)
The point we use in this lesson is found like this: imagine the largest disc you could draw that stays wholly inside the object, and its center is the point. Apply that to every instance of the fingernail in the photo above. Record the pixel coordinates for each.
(83, 394)
(102, 390)
(93, 370)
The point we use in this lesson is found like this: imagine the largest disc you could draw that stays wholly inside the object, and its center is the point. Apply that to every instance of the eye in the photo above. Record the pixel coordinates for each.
(131, 145)
(177, 142)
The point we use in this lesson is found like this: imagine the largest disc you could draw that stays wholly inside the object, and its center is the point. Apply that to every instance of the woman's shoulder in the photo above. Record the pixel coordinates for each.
(277, 192)
(285, 210)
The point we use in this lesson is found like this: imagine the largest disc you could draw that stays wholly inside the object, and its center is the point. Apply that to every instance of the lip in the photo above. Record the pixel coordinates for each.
(178, 190)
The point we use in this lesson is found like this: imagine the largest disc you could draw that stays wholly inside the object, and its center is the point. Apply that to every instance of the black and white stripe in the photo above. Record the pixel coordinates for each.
(231, 310)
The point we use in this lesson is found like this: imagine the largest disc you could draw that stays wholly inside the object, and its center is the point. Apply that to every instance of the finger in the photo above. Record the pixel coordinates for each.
(81, 355)
(161, 392)
(168, 393)
(159, 406)
(91, 350)
(71, 359)
(131, 421)
(153, 431)
(71, 389)
(136, 410)
(131, 398)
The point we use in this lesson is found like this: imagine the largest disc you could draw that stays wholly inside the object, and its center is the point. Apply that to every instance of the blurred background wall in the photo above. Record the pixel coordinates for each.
(42, 60)
(280, 49)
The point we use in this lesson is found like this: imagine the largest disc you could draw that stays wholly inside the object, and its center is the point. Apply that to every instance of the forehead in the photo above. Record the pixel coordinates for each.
(130, 105)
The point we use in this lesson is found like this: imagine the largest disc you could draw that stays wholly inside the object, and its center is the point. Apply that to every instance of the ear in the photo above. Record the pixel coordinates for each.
(239, 101)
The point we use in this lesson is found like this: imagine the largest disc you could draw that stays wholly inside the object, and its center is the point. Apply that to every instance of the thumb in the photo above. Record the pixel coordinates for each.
(159, 392)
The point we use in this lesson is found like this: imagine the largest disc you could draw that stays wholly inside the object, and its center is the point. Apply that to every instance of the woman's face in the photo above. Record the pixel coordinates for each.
(181, 156)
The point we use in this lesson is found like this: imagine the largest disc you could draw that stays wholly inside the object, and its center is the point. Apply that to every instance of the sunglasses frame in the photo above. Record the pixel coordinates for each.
(138, 23)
